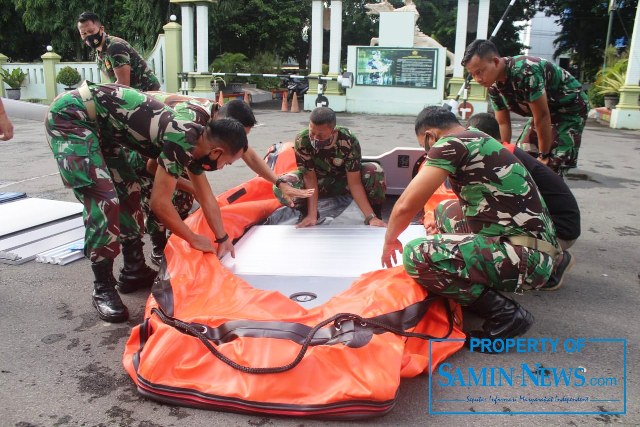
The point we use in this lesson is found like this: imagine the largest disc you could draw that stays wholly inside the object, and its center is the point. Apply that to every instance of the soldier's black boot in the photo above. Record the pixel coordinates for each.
(158, 242)
(105, 297)
(135, 274)
(503, 317)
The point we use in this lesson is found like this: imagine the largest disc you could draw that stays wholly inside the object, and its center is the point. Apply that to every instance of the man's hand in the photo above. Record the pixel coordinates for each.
(6, 128)
(202, 243)
(430, 227)
(226, 247)
(308, 221)
(377, 222)
(291, 193)
(389, 253)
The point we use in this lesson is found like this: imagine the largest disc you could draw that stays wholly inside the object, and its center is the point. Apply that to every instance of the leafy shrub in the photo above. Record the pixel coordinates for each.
(13, 79)
(68, 77)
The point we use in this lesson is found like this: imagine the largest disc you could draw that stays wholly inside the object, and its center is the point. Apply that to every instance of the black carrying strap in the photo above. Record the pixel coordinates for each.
(349, 329)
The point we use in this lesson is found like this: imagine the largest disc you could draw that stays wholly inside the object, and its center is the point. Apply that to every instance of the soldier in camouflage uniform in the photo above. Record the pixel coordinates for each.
(87, 129)
(329, 159)
(536, 88)
(117, 60)
(506, 219)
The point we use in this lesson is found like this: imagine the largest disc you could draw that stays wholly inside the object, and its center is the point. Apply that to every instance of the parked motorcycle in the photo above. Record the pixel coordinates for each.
(295, 86)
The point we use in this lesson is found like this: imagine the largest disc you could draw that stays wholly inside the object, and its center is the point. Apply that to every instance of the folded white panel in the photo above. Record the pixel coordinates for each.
(64, 254)
(38, 233)
(310, 265)
(31, 212)
(28, 252)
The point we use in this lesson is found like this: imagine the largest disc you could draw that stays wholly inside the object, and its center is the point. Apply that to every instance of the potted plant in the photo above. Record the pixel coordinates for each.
(229, 62)
(215, 82)
(69, 77)
(14, 80)
(609, 81)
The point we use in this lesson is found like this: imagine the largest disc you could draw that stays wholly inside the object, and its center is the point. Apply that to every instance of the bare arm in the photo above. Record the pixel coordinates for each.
(360, 196)
(542, 121)
(123, 75)
(182, 184)
(413, 198)
(6, 127)
(161, 194)
(504, 121)
(311, 182)
(211, 211)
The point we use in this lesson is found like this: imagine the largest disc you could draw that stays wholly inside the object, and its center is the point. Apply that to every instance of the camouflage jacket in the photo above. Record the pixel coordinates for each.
(335, 160)
(117, 52)
(528, 78)
(140, 123)
(497, 195)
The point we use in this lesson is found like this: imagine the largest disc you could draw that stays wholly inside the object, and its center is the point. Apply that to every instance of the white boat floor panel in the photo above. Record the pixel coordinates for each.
(321, 261)
(31, 212)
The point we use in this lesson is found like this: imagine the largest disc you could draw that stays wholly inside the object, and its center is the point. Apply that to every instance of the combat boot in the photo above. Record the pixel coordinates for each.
(158, 242)
(135, 274)
(105, 297)
(503, 317)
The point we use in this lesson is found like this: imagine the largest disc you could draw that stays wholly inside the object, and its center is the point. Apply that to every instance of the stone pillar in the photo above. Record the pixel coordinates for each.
(336, 37)
(483, 20)
(317, 7)
(461, 37)
(173, 55)
(3, 60)
(187, 37)
(202, 32)
(627, 113)
(49, 61)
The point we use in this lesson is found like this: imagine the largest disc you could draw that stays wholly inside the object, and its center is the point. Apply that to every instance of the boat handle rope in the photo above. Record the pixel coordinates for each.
(337, 320)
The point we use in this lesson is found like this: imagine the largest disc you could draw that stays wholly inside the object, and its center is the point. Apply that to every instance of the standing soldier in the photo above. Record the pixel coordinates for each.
(536, 88)
(87, 129)
(511, 245)
(117, 60)
(330, 162)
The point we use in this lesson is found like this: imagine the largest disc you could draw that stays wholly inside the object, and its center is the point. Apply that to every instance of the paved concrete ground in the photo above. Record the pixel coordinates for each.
(60, 365)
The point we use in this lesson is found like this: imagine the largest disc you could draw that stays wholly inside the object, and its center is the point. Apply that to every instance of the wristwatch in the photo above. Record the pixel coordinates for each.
(369, 217)
(279, 181)
(545, 156)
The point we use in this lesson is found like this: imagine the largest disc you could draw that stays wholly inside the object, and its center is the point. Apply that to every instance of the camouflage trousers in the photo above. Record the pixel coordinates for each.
(461, 266)
(372, 176)
(567, 137)
(99, 175)
(182, 201)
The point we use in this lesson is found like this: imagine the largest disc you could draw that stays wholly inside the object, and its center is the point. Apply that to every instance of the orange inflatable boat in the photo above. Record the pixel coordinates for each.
(211, 340)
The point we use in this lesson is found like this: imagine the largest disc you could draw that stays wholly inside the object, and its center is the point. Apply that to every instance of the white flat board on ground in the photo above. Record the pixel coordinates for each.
(23, 214)
(310, 265)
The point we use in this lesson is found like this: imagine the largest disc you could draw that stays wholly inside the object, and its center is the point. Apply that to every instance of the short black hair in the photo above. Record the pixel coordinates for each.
(483, 48)
(89, 16)
(239, 110)
(435, 116)
(486, 123)
(323, 116)
(230, 132)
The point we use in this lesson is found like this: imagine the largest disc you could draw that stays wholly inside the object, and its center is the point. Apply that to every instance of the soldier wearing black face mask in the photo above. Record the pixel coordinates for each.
(117, 60)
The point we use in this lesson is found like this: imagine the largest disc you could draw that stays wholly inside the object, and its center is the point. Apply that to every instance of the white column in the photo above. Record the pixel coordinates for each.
(336, 37)
(633, 67)
(316, 36)
(483, 19)
(461, 37)
(187, 38)
(202, 32)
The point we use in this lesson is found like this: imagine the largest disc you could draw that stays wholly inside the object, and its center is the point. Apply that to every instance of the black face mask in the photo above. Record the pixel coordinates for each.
(94, 40)
(208, 164)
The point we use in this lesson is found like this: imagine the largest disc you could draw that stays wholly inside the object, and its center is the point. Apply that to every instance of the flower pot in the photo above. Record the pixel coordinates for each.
(13, 93)
(610, 101)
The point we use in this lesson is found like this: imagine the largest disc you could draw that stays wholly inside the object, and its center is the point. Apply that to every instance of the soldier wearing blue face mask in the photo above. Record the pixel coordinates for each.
(330, 161)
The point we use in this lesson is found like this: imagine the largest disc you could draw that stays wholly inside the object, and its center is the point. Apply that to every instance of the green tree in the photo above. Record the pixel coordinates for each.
(584, 29)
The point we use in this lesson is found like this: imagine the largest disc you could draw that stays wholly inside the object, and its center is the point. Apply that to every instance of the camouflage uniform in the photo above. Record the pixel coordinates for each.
(331, 165)
(528, 78)
(498, 198)
(91, 160)
(198, 111)
(116, 53)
